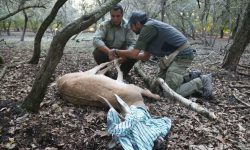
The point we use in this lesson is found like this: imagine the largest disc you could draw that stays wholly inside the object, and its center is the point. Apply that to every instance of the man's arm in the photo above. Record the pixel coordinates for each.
(130, 39)
(133, 53)
(98, 38)
(139, 51)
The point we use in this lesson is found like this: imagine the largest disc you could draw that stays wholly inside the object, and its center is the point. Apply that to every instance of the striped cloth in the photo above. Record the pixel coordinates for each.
(139, 130)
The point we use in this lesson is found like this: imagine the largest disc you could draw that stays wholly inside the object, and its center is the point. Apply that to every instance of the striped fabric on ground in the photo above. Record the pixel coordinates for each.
(139, 130)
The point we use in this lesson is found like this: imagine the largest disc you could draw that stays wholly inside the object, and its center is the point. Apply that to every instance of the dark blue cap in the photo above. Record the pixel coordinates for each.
(137, 16)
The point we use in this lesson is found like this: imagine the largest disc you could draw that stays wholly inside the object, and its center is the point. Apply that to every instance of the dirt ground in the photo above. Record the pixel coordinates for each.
(61, 125)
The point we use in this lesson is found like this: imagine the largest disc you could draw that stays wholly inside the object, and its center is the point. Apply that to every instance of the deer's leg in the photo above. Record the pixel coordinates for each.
(97, 68)
(104, 70)
(110, 106)
(119, 72)
(146, 92)
(123, 106)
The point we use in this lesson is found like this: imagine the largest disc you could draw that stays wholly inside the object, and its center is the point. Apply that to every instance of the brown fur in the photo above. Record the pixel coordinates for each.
(85, 88)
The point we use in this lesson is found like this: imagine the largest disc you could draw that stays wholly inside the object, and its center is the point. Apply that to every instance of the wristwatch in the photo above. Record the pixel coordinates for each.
(115, 52)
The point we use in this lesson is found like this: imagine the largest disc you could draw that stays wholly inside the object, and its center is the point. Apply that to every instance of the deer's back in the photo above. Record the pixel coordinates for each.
(83, 89)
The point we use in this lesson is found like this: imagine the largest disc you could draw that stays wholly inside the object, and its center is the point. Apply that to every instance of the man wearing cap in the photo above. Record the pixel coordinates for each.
(162, 40)
(114, 34)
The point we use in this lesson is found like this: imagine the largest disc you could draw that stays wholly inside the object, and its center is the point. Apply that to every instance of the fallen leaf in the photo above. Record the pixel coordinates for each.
(11, 144)
(241, 128)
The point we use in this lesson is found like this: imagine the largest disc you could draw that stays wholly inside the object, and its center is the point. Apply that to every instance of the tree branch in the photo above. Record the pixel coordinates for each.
(20, 9)
(238, 99)
(5, 67)
(187, 103)
(3, 72)
(173, 95)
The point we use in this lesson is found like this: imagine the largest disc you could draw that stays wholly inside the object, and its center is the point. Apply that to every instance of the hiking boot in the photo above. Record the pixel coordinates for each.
(207, 86)
(192, 75)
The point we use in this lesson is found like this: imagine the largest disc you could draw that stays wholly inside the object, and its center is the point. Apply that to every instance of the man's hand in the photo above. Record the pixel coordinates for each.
(122, 60)
(112, 55)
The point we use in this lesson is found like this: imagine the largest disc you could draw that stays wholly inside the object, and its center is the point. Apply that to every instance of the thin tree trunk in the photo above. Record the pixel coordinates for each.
(25, 24)
(42, 29)
(35, 97)
(4, 26)
(16, 26)
(8, 28)
(241, 41)
(1, 60)
(204, 20)
(163, 10)
(221, 32)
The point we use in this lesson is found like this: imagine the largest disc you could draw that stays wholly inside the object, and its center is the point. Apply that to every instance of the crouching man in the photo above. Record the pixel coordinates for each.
(162, 40)
(114, 34)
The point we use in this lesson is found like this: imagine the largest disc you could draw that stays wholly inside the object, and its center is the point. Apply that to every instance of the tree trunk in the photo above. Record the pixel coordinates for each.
(221, 32)
(16, 26)
(1, 60)
(100, 4)
(163, 10)
(25, 24)
(8, 28)
(236, 26)
(204, 20)
(42, 29)
(241, 41)
(35, 97)
(4, 26)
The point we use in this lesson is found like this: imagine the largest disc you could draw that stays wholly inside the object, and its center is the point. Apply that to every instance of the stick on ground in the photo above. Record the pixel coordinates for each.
(187, 103)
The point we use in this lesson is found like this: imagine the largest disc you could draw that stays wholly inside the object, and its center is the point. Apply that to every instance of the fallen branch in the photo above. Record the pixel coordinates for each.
(189, 104)
(235, 107)
(5, 67)
(239, 86)
(242, 73)
(3, 72)
(174, 95)
(15, 64)
(215, 63)
(244, 66)
(238, 99)
(196, 43)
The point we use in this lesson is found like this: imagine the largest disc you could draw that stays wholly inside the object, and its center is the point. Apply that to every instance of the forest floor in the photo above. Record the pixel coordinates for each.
(61, 125)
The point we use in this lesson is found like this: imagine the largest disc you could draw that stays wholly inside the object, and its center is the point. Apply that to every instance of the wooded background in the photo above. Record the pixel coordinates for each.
(42, 40)
(196, 19)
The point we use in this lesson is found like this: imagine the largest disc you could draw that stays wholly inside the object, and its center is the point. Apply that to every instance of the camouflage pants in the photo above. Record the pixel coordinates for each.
(173, 76)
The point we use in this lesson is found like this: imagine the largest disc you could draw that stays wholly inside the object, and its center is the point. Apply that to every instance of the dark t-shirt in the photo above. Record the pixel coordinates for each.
(146, 35)
(161, 39)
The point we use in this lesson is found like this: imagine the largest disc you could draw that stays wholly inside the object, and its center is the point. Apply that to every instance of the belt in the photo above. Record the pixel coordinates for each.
(167, 60)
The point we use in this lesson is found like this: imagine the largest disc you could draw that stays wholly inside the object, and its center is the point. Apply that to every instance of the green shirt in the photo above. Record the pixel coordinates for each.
(146, 35)
(114, 37)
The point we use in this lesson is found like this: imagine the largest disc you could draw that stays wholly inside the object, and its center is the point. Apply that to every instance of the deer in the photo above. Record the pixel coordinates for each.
(93, 88)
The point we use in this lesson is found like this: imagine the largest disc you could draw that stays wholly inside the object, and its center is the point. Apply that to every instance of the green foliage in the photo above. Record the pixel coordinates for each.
(183, 14)
(187, 16)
